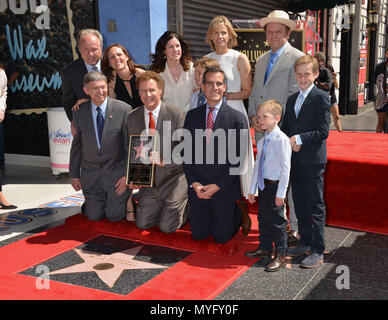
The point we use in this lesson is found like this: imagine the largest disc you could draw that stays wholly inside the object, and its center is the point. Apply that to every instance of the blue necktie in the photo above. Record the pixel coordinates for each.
(100, 123)
(298, 104)
(94, 68)
(270, 66)
(261, 166)
(201, 99)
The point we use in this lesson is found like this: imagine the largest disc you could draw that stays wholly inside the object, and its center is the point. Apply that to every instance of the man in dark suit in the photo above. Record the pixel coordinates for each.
(306, 122)
(89, 42)
(214, 185)
(99, 151)
(165, 204)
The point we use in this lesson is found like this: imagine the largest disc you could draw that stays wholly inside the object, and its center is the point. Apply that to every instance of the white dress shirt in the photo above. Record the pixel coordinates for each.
(277, 161)
(155, 114)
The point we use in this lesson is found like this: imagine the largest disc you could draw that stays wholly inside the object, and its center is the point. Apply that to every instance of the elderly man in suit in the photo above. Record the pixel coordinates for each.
(210, 170)
(275, 79)
(164, 204)
(89, 42)
(99, 151)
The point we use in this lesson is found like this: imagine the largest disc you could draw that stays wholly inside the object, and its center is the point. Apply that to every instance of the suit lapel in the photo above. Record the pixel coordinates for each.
(307, 101)
(264, 61)
(220, 117)
(281, 60)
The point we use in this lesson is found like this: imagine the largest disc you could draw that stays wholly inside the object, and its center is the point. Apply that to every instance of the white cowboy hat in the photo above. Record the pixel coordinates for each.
(278, 16)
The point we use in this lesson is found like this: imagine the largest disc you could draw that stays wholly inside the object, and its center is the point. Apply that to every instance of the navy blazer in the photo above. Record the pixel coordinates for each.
(218, 171)
(312, 125)
(72, 85)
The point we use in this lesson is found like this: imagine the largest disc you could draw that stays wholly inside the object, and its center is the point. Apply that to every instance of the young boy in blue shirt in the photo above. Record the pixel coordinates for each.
(270, 176)
(306, 121)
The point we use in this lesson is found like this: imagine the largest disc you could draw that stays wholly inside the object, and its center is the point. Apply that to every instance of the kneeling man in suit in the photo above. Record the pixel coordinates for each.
(165, 204)
(99, 151)
(214, 185)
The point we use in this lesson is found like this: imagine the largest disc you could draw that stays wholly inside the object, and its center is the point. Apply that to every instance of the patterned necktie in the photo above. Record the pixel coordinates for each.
(270, 66)
(209, 124)
(94, 68)
(201, 99)
(261, 166)
(151, 126)
(100, 123)
(298, 104)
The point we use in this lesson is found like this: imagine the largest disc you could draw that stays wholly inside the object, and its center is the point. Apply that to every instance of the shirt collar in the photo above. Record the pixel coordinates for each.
(216, 107)
(155, 112)
(306, 93)
(102, 106)
(90, 67)
(269, 136)
(279, 52)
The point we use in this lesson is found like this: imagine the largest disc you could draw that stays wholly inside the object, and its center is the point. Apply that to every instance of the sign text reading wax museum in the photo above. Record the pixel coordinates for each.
(252, 42)
(36, 44)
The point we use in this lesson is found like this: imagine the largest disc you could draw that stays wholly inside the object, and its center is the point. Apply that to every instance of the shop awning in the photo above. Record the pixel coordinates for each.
(303, 5)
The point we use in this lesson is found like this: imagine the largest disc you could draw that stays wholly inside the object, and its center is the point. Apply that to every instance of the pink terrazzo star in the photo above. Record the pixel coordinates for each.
(114, 264)
(142, 151)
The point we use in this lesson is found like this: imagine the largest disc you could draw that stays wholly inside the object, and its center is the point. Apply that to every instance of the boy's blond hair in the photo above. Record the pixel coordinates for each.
(306, 60)
(272, 106)
(206, 62)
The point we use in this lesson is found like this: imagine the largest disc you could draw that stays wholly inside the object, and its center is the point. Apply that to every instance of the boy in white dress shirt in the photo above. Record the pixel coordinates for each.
(270, 176)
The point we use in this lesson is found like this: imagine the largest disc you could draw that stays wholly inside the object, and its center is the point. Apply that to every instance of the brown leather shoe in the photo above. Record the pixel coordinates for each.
(257, 253)
(246, 222)
(293, 237)
(276, 264)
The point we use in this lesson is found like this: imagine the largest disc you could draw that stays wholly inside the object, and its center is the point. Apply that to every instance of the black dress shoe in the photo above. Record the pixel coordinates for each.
(276, 264)
(257, 253)
(3, 206)
(293, 237)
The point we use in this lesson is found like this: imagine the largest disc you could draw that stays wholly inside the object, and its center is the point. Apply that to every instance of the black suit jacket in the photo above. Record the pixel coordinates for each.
(218, 171)
(72, 85)
(312, 125)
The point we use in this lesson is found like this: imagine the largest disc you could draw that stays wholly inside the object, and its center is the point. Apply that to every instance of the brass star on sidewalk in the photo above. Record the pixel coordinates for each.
(108, 267)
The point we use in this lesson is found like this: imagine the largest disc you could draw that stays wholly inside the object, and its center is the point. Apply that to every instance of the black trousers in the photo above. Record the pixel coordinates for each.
(272, 221)
(307, 192)
(218, 216)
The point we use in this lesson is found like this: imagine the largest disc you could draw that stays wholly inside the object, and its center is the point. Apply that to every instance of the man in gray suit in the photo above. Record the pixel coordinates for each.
(165, 204)
(275, 79)
(99, 151)
(274, 71)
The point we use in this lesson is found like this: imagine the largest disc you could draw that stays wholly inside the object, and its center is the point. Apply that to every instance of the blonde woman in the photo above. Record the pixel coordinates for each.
(222, 38)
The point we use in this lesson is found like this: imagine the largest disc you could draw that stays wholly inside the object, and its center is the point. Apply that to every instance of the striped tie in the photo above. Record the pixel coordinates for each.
(209, 124)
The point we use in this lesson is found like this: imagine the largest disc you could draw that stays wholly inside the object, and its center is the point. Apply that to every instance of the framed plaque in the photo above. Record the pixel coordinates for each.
(140, 171)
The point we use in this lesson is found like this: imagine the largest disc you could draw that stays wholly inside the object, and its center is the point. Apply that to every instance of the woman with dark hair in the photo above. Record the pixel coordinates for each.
(4, 204)
(118, 66)
(172, 60)
(121, 71)
(334, 109)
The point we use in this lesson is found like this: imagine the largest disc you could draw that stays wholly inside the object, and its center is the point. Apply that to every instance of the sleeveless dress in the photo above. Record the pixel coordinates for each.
(123, 94)
(228, 63)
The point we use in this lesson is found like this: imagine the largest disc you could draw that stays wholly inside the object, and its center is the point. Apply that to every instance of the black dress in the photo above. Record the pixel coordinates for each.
(123, 94)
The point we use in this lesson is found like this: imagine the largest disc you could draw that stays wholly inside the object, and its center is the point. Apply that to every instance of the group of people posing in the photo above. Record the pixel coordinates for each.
(108, 98)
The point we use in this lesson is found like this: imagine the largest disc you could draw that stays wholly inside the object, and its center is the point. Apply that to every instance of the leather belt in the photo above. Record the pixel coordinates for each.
(270, 181)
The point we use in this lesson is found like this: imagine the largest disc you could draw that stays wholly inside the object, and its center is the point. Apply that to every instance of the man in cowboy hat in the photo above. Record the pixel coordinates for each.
(275, 79)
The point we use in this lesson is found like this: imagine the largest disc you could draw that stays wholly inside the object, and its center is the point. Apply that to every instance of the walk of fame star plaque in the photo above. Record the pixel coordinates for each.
(110, 264)
(139, 169)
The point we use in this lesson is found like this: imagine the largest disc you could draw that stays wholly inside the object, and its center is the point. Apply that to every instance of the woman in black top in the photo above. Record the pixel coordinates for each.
(121, 72)
(118, 66)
